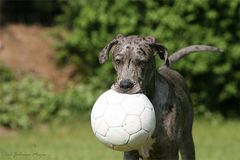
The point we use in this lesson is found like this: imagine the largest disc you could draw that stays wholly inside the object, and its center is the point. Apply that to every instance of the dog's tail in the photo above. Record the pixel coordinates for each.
(187, 50)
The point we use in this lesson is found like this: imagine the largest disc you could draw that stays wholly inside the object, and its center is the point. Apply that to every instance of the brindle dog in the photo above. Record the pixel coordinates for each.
(133, 60)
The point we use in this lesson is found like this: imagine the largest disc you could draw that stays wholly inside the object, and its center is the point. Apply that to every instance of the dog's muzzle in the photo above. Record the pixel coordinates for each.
(126, 84)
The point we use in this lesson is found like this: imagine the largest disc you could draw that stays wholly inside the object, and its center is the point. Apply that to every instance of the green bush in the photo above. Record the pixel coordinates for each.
(24, 102)
(213, 79)
(76, 101)
(28, 101)
(6, 74)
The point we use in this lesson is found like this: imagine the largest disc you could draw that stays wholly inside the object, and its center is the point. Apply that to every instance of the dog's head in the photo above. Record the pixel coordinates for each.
(133, 60)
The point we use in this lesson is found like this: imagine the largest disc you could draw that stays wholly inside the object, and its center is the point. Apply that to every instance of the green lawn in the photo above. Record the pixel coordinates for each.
(218, 141)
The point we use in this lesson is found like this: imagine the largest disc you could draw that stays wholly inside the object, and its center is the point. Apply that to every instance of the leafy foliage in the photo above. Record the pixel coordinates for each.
(6, 74)
(213, 79)
(23, 102)
(76, 101)
(28, 101)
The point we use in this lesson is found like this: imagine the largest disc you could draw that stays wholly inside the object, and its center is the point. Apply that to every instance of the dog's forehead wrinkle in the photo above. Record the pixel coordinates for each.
(143, 51)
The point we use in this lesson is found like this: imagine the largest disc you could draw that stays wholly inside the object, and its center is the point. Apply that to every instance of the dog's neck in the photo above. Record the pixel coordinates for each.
(150, 85)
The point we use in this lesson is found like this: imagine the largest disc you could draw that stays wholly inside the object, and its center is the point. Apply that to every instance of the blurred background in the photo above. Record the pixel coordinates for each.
(50, 75)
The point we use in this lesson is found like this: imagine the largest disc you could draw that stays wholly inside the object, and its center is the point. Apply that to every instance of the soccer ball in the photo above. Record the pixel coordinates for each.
(123, 122)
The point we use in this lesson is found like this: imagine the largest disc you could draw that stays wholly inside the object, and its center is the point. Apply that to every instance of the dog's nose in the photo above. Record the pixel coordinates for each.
(126, 84)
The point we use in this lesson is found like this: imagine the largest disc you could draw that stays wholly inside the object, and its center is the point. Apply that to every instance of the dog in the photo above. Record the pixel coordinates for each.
(133, 58)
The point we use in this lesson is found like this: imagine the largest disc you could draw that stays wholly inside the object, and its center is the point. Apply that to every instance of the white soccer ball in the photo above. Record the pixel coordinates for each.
(123, 122)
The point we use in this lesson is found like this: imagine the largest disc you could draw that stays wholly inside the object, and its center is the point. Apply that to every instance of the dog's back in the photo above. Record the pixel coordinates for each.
(181, 92)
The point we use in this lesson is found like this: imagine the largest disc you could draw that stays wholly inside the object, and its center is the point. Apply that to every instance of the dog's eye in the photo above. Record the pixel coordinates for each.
(141, 63)
(117, 61)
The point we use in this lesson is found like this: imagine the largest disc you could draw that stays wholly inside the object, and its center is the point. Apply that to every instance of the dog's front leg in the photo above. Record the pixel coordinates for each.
(131, 155)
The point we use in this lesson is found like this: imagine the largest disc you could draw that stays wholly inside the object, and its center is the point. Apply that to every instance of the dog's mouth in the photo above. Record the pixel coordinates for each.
(134, 90)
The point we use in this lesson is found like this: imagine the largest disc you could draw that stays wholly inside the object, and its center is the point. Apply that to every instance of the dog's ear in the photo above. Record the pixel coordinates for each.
(157, 47)
(103, 55)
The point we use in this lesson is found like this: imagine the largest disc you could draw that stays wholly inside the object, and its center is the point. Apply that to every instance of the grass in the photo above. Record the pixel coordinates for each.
(75, 141)
(217, 140)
